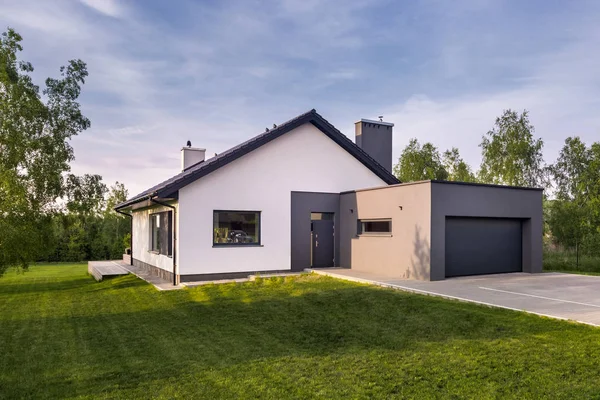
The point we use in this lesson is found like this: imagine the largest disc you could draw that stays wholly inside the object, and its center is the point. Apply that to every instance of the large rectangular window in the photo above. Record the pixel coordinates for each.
(375, 227)
(161, 232)
(236, 228)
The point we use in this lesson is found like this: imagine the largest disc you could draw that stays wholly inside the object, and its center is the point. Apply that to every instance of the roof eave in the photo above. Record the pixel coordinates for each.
(309, 117)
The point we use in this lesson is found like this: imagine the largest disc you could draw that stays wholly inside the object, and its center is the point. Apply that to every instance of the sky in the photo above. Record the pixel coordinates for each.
(217, 72)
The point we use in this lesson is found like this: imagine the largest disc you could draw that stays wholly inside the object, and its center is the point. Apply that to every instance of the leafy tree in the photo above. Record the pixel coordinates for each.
(456, 167)
(116, 227)
(93, 231)
(117, 194)
(571, 169)
(569, 213)
(85, 194)
(592, 179)
(418, 163)
(511, 155)
(567, 222)
(76, 245)
(574, 214)
(35, 153)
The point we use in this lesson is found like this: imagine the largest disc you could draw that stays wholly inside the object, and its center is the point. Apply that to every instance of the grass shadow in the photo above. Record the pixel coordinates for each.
(135, 337)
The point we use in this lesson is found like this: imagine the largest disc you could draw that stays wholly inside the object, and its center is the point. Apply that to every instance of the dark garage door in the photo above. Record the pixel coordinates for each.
(482, 246)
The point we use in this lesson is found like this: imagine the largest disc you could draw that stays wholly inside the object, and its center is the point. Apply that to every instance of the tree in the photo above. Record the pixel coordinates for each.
(117, 194)
(456, 167)
(567, 222)
(116, 228)
(511, 155)
(35, 152)
(571, 169)
(88, 228)
(418, 163)
(592, 179)
(85, 194)
(569, 213)
(575, 213)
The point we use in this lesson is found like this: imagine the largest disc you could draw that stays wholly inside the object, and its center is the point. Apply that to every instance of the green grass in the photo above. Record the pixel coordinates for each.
(567, 262)
(62, 335)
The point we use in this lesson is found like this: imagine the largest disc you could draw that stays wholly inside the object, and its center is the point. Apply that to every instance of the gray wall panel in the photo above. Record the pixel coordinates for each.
(303, 203)
(456, 200)
(376, 140)
(477, 246)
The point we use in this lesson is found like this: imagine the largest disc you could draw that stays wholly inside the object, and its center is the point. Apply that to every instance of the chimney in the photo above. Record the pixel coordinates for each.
(190, 156)
(375, 137)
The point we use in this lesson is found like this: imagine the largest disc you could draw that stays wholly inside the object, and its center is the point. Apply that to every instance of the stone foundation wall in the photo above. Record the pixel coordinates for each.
(153, 270)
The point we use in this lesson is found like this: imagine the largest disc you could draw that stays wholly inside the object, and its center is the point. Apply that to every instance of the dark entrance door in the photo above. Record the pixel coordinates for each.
(322, 243)
(482, 246)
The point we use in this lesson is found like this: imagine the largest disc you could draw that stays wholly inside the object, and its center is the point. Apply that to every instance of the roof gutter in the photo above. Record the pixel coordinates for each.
(131, 233)
(135, 200)
(175, 276)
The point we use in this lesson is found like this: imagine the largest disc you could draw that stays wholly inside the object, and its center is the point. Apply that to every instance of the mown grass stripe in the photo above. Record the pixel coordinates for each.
(66, 336)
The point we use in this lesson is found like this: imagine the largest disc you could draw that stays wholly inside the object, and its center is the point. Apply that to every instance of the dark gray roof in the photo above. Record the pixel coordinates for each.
(169, 187)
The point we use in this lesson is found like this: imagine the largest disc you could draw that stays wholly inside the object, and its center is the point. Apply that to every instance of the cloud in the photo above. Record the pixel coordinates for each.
(219, 72)
(111, 8)
(560, 92)
(344, 74)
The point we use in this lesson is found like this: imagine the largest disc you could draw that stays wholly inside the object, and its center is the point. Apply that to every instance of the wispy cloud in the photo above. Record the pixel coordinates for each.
(559, 86)
(219, 72)
(111, 8)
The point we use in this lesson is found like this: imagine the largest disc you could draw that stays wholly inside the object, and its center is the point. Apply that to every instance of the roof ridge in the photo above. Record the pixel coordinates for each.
(205, 167)
(360, 149)
(283, 124)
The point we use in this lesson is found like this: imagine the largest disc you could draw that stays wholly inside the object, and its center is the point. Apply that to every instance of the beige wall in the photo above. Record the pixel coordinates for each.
(405, 254)
(416, 247)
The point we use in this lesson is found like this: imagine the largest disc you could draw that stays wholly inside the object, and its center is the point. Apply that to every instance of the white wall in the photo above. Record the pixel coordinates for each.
(141, 239)
(304, 159)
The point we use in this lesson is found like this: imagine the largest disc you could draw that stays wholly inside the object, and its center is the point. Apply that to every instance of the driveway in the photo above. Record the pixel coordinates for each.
(555, 295)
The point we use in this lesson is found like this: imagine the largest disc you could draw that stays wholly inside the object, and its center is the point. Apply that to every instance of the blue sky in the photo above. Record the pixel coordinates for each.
(219, 72)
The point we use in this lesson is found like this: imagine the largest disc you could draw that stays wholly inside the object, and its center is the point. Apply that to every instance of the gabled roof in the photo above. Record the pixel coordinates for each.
(197, 171)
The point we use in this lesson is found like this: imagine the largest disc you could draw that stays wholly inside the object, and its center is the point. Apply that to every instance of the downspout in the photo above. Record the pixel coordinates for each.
(175, 280)
(131, 235)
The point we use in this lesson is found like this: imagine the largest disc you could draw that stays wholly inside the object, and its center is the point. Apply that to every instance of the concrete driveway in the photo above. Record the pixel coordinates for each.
(556, 295)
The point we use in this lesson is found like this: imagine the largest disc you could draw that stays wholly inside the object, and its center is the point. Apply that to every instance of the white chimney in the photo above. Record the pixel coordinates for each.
(191, 156)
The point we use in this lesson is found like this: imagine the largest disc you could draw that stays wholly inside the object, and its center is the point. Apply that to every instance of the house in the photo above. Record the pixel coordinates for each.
(304, 195)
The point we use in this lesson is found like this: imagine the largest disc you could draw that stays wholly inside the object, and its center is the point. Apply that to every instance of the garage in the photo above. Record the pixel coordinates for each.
(476, 246)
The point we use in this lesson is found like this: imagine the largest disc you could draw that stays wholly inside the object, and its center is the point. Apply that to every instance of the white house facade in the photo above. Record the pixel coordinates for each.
(262, 181)
(290, 199)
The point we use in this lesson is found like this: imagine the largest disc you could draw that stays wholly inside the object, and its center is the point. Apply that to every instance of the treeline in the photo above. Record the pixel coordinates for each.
(512, 155)
(47, 214)
(87, 227)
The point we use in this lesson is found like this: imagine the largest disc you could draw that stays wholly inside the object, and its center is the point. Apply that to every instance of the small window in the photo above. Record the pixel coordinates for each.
(375, 227)
(236, 228)
(317, 216)
(161, 233)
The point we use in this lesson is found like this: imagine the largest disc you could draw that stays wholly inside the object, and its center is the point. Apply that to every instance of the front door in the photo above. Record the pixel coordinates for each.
(322, 243)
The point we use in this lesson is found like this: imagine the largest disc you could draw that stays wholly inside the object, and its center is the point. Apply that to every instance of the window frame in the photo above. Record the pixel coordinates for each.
(361, 232)
(259, 230)
(169, 229)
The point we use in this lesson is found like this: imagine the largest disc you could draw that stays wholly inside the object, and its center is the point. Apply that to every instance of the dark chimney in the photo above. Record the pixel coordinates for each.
(375, 137)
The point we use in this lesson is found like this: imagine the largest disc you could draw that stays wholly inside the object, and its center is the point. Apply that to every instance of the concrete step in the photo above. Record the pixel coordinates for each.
(105, 269)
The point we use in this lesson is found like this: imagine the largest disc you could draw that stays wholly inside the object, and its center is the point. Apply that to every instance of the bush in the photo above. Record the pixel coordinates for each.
(567, 260)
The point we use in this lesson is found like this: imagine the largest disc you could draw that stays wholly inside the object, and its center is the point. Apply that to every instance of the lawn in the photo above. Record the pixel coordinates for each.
(62, 335)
